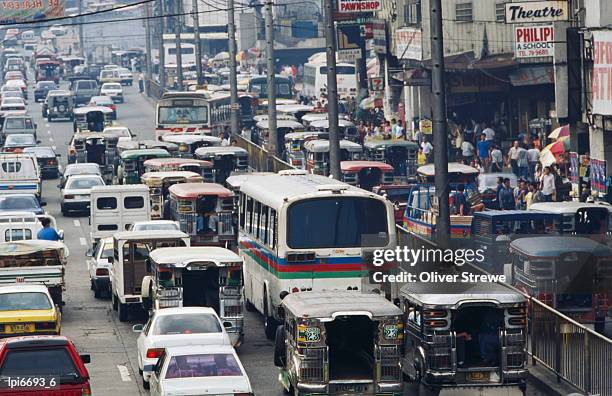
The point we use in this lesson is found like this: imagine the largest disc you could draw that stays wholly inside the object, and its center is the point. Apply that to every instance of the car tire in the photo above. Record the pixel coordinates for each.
(123, 312)
(145, 384)
(64, 211)
(270, 324)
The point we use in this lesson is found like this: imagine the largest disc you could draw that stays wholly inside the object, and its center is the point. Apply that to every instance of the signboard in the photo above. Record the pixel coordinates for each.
(379, 36)
(574, 168)
(537, 11)
(602, 72)
(426, 126)
(408, 44)
(377, 84)
(598, 175)
(366, 31)
(30, 10)
(349, 40)
(534, 41)
(356, 6)
(417, 77)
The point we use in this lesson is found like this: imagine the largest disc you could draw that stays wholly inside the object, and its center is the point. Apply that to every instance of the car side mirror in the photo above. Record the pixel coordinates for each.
(228, 325)
(110, 260)
(148, 368)
(35, 125)
(43, 203)
(85, 358)
(89, 253)
(137, 328)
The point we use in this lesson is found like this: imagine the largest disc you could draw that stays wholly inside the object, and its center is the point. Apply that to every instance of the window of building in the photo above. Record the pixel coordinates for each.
(463, 12)
(412, 12)
(500, 12)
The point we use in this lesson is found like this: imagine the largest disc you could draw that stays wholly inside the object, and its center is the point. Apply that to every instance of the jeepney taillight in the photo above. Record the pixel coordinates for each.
(154, 353)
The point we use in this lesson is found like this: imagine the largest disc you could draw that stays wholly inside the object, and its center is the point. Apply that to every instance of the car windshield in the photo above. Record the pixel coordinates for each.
(186, 324)
(112, 86)
(12, 94)
(45, 85)
(18, 123)
(19, 139)
(204, 365)
(24, 301)
(37, 362)
(159, 227)
(79, 184)
(19, 203)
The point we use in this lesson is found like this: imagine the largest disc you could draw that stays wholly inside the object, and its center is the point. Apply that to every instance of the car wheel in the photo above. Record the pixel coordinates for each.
(145, 384)
(64, 211)
(123, 312)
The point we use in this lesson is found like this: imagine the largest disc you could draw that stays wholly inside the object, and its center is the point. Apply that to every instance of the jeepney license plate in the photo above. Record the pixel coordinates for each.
(20, 328)
(349, 388)
(479, 376)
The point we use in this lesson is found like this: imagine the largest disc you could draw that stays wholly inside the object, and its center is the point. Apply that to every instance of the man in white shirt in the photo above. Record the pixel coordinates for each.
(467, 150)
(497, 160)
(548, 185)
(489, 133)
(427, 149)
(512, 156)
(533, 156)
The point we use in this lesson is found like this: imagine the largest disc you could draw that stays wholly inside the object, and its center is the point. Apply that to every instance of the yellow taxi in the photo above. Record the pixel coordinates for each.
(28, 310)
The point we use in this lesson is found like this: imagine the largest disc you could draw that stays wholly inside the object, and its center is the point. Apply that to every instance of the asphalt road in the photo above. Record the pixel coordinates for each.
(91, 323)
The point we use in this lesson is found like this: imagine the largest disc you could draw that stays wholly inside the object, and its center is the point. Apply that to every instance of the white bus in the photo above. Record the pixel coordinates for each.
(187, 54)
(315, 80)
(299, 233)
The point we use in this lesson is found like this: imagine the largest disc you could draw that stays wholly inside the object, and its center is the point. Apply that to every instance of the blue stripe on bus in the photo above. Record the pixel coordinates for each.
(19, 187)
(281, 261)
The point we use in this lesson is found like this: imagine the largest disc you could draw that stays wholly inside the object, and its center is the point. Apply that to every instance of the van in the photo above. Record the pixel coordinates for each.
(109, 76)
(115, 208)
(19, 173)
(20, 226)
(84, 90)
(14, 124)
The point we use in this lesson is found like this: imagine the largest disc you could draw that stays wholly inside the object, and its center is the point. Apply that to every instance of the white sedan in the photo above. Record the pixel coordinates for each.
(77, 192)
(199, 370)
(123, 133)
(161, 225)
(114, 90)
(177, 327)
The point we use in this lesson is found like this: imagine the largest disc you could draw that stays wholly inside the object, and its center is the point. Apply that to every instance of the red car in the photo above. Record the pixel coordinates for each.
(398, 194)
(42, 366)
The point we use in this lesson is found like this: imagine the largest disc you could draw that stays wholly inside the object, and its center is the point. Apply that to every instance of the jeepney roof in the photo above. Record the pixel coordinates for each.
(452, 294)
(235, 181)
(87, 109)
(264, 117)
(516, 215)
(194, 190)
(326, 305)
(94, 135)
(113, 188)
(18, 248)
(156, 144)
(183, 256)
(190, 139)
(192, 177)
(356, 166)
(263, 124)
(133, 154)
(220, 150)
(382, 143)
(293, 108)
(322, 146)
(324, 123)
(304, 135)
(149, 234)
(310, 117)
(453, 167)
(177, 162)
(128, 145)
(570, 207)
(554, 246)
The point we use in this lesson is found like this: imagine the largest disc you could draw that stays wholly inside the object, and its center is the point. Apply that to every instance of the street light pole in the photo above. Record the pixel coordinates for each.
(162, 54)
(332, 91)
(81, 35)
(231, 31)
(149, 65)
(273, 133)
(439, 125)
(198, 43)
(178, 7)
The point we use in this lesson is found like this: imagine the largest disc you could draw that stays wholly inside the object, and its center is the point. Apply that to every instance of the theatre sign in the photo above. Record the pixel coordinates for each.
(537, 11)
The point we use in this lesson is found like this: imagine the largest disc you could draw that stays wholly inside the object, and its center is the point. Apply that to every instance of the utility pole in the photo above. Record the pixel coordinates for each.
(273, 132)
(198, 43)
(332, 91)
(231, 31)
(178, 9)
(149, 66)
(439, 125)
(81, 36)
(162, 54)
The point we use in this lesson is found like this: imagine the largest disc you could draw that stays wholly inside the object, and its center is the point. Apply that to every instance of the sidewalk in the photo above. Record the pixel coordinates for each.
(547, 382)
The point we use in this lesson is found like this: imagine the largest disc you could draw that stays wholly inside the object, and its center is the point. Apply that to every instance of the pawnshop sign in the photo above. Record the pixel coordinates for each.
(346, 6)
(534, 41)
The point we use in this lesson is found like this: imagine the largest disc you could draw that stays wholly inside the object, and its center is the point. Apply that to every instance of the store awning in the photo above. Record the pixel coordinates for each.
(467, 61)
(532, 75)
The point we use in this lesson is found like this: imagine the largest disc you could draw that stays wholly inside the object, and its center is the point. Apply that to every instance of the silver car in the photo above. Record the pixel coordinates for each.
(77, 191)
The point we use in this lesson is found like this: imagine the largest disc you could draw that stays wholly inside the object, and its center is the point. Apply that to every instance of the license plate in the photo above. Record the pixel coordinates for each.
(20, 328)
(479, 376)
(350, 388)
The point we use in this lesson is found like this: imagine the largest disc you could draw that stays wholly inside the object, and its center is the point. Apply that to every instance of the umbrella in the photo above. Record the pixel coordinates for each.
(222, 56)
(560, 132)
(550, 153)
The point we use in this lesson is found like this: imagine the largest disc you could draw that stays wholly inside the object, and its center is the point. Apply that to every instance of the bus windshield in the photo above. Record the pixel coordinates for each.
(260, 86)
(182, 115)
(337, 223)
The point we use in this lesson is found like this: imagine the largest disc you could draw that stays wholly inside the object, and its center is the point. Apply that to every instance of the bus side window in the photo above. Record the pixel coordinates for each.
(273, 226)
(256, 220)
(242, 206)
(249, 215)
(264, 224)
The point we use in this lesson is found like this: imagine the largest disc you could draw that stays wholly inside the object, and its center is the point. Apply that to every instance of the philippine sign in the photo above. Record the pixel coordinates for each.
(534, 41)
(14, 11)
(537, 11)
(353, 6)
(602, 72)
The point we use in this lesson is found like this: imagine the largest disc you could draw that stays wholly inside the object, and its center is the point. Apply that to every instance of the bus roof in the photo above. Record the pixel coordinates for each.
(325, 305)
(570, 207)
(452, 294)
(516, 215)
(322, 146)
(183, 256)
(356, 166)
(132, 154)
(235, 181)
(180, 94)
(554, 246)
(195, 190)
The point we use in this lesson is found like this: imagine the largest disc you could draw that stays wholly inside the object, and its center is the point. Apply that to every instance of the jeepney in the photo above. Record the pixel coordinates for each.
(160, 182)
(188, 144)
(225, 160)
(399, 153)
(294, 146)
(571, 274)
(194, 277)
(91, 118)
(493, 230)
(202, 168)
(206, 212)
(131, 164)
(309, 118)
(465, 336)
(95, 147)
(339, 343)
(283, 127)
(317, 154)
(366, 174)
(35, 261)
(346, 128)
(131, 250)
(580, 218)
(172, 148)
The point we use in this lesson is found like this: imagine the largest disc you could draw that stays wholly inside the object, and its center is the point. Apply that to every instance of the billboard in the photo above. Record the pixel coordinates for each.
(602, 72)
(14, 11)
(408, 44)
(349, 41)
(534, 41)
(537, 11)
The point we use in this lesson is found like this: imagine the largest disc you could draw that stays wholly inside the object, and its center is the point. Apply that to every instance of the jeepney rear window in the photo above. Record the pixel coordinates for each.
(106, 203)
(17, 234)
(337, 223)
(11, 167)
(133, 202)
